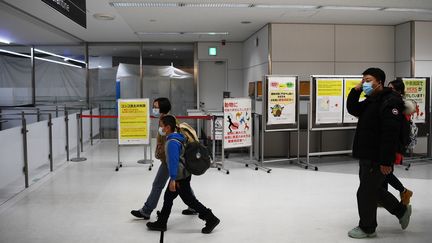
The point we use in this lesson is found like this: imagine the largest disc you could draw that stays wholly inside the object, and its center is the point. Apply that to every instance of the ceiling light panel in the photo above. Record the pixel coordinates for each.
(218, 5)
(356, 8)
(55, 55)
(408, 10)
(278, 6)
(181, 33)
(14, 53)
(143, 5)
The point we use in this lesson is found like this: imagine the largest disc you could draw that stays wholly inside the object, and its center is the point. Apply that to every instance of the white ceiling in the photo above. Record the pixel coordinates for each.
(30, 27)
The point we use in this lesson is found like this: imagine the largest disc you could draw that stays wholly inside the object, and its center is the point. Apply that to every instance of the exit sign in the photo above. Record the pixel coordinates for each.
(212, 51)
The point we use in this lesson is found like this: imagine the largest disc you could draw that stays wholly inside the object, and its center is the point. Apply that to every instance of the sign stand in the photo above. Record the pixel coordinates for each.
(146, 160)
(294, 126)
(237, 114)
(137, 120)
(414, 90)
(346, 123)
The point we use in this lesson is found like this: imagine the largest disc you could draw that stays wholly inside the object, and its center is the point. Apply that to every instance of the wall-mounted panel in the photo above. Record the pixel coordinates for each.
(358, 43)
(256, 48)
(302, 42)
(403, 42)
(359, 68)
(403, 69)
(423, 40)
(303, 69)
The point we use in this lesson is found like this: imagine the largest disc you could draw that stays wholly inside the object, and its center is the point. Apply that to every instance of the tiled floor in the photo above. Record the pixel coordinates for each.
(90, 202)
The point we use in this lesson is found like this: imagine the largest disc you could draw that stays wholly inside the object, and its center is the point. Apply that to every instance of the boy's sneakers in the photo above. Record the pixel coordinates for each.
(138, 214)
(404, 220)
(358, 233)
(406, 196)
(189, 211)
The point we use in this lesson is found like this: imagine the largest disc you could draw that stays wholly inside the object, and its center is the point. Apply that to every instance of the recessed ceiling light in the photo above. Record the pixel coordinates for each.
(246, 22)
(103, 16)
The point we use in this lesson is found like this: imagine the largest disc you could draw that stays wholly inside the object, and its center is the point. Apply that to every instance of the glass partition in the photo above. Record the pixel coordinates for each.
(60, 75)
(104, 62)
(15, 75)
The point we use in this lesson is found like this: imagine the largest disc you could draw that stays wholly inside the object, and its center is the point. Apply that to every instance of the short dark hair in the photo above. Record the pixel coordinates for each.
(164, 105)
(398, 86)
(169, 120)
(376, 73)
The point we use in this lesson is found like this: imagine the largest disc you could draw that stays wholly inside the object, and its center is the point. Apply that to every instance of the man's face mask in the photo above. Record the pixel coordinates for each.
(367, 88)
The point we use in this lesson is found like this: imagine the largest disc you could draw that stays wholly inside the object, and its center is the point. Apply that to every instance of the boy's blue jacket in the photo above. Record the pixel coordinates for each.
(174, 153)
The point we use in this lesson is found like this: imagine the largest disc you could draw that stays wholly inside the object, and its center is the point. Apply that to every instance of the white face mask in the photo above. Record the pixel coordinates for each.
(161, 132)
(156, 112)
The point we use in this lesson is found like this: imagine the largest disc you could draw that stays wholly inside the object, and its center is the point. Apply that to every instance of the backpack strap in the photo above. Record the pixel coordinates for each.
(182, 158)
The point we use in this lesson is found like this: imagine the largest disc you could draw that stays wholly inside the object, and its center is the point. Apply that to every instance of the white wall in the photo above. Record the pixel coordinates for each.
(256, 60)
(328, 49)
(232, 54)
(306, 49)
(403, 50)
(423, 63)
(423, 49)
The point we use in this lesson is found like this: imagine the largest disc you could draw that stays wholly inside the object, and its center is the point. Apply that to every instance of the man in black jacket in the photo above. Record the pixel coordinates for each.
(375, 143)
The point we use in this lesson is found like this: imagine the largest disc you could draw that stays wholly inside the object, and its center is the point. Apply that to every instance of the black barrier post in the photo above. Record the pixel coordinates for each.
(24, 133)
(78, 158)
(50, 142)
(91, 126)
(67, 133)
(81, 129)
(38, 114)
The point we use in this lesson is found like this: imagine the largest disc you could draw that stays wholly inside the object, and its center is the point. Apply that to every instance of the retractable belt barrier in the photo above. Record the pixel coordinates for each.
(154, 117)
(119, 164)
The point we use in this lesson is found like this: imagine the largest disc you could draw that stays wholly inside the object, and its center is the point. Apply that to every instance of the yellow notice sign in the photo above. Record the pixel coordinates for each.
(133, 121)
(351, 83)
(329, 87)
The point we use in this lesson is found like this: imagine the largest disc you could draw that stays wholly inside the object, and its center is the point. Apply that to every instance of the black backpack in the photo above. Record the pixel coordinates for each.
(408, 131)
(197, 157)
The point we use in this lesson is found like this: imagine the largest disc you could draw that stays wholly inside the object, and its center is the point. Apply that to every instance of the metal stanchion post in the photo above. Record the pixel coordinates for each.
(24, 133)
(145, 160)
(67, 133)
(119, 164)
(78, 158)
(50, 142)
(100, 124)
(38, 114)
(81, 130)
(214, 138)
(91, 126)
(222, 165)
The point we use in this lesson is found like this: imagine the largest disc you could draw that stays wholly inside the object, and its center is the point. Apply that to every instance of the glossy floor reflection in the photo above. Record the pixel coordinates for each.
(90, 202)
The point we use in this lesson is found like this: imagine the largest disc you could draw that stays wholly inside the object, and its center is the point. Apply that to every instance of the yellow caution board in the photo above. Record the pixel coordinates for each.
(133, 121)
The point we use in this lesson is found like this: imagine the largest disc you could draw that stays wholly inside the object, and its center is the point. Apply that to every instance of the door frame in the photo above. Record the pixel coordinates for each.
(198, 75)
